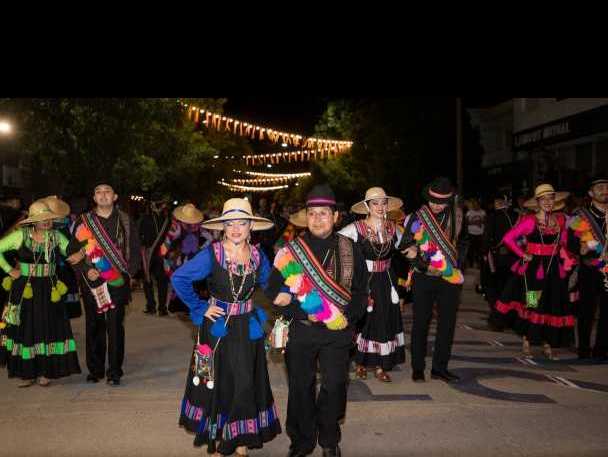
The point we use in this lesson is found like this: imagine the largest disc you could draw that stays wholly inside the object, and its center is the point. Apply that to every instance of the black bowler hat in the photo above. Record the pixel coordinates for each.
(321, 195)
(439, 191)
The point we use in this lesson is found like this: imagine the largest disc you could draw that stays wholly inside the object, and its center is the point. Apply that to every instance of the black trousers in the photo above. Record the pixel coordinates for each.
(428, 290)
(592, 293)
(100, 328)
(312, 418)
(157, 274)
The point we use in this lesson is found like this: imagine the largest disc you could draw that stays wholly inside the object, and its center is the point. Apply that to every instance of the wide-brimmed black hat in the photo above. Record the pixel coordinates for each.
(439, 191)
(321, 195)
(598, 179)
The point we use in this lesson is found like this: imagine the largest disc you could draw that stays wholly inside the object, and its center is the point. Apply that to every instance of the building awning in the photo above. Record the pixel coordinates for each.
(565, 129)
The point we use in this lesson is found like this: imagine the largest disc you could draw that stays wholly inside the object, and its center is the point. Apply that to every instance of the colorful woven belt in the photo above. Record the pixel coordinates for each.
(377, 266)
(41, 270)
(233, 309)
(541, 249)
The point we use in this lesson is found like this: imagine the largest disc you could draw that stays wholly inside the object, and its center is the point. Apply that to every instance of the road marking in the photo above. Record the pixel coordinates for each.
(526, 361)
(495, 343)
(563, 381)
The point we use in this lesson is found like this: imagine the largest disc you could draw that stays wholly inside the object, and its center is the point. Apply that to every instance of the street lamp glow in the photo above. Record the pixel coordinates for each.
(5, 127)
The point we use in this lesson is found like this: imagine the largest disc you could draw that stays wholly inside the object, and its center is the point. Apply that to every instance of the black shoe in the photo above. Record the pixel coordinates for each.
(113, 382)
(149, 310)
(92, 378)
(445, 376)
(162, 312)
(332, 451)
(418, 376)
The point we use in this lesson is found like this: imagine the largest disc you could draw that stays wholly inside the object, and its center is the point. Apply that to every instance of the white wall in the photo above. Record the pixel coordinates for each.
(531, 112)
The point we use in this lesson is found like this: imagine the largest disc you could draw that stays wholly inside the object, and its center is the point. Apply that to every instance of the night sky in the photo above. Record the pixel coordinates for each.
(299, 114)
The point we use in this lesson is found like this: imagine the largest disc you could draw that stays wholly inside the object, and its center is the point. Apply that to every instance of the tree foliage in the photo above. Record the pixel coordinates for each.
(139, 145)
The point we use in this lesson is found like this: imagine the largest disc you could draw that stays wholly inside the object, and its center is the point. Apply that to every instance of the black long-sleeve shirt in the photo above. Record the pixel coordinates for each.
(320, 246)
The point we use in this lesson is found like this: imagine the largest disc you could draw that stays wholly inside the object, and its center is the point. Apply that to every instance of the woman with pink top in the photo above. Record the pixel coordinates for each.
(535, 300)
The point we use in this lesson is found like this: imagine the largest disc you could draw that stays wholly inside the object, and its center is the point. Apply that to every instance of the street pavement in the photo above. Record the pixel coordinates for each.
(505, 405)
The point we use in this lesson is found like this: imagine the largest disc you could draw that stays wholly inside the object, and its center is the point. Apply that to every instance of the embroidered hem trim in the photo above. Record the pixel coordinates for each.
(534, 317)
(376, 347)
(229, 430)
(40, 349)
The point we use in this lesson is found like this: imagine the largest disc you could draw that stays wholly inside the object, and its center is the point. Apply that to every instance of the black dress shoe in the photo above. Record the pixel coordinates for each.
(445, 376)
(162, 312)
(332, 451)
(418, 376)
(149, 310)
(113, 382)
(92, 378)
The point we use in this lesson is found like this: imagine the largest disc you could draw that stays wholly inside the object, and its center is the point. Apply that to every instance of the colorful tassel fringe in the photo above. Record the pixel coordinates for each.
(312, 301)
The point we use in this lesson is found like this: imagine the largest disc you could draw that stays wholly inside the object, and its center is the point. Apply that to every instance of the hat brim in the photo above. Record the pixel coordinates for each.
(396, 215)
(299, 219)
(58, 206)
(440, 201)
(560, 197)
(393, 204)
(41, 218)
(259, 223)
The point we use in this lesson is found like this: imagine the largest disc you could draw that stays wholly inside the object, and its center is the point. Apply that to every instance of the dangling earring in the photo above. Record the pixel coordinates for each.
(224, 237)
(249, 238)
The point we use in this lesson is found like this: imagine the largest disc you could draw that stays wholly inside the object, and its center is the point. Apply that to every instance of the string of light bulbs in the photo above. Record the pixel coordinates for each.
(292, 156)
(220, 122)
(275, 175)
(240, 188)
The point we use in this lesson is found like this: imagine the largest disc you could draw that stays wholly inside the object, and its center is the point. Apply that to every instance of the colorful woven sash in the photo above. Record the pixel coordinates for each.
(438, 249)
(319, 295)
(101, 251)
(586, 229)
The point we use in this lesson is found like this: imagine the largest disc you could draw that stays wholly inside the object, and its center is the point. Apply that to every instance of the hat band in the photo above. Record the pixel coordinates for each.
(438, 195)
(321, 201)
(236, 211)
(542, 194)
(376, 197)
(599, 181)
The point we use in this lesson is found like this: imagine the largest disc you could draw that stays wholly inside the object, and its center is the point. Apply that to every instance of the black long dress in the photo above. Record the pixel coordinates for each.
(42, 344)
(553, 320)
(380, 340)
(239, 410)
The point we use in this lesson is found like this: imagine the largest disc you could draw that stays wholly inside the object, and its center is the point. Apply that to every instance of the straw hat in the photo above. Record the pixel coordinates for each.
(374, 193)
(38, 212)
(188, 214)
(396, 215)
(238, 209)
(299, 219)
(56, 205)
(546, 189)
